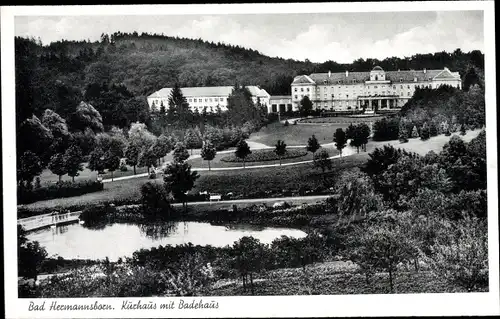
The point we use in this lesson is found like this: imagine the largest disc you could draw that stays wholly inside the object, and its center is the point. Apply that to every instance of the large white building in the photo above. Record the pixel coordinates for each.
(211, 98)
(372, 91)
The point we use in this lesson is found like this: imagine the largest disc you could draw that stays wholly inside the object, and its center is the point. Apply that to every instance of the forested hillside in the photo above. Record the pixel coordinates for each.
(116, 73)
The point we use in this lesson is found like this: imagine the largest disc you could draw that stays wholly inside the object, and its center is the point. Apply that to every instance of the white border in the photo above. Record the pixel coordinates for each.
(289, 306)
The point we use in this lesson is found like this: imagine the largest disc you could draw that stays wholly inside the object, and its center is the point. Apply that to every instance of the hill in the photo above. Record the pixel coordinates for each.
(57, 75)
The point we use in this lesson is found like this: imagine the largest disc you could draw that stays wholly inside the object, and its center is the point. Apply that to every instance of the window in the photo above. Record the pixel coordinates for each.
(296, 97)
(301, 89)
(375, 87)
(190, 100)
(295, 89)
(206, 100)
(401, 86)
(408, 93)
(401, 80)
(408, 87)
(195, 100)
(221, 99)
(210, 99)
(307, 89)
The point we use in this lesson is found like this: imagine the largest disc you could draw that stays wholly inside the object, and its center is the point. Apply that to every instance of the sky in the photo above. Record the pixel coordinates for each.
(340, 37)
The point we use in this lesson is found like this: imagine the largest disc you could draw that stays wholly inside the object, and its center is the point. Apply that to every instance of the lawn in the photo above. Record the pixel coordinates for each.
(217, 163)
(418, 146)
(295, 134)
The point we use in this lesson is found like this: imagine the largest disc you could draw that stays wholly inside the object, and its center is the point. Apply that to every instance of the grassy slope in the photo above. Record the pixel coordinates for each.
(334, 278)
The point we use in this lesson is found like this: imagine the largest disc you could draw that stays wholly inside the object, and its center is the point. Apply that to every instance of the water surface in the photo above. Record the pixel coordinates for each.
(121, 240)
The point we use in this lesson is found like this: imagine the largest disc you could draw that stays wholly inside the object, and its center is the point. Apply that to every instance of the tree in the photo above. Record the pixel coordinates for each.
(161, 147)
(154, 199)
(73, 161)
(280, 149)
(179, 179)
(56, 165)
(403, 133)
(424, 132)
(356, 137)
(86, 116)
(414, 132)
(132, 153)
(191, 140)
(364, 134)
(96, 161)
(462, 130)
(460, 252)
(306, 106)
(178, 107)
(242, 150)
(111, 161)
(249, 258)
(386, 129)
(28, 166)
(180, 153)
(340, 140)
(208, 152)
(312, 145)
(356, 196)
(30, 255)
(147, 158)
(322, 160)
(380, 247)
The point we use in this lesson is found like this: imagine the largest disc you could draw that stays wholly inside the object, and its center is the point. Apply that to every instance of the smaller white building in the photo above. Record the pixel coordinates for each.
(281, 104)
(210, 98)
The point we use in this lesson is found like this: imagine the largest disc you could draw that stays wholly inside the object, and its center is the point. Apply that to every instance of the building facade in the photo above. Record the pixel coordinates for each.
(370, 91)
(280, 103)
(210, 99)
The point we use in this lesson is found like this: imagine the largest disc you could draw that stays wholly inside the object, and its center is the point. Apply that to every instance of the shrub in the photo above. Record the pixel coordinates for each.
(58, 190)
(460, 254)
(265, 155)
(152, 175)
(96, 217)
(286, 123)
(154, 199)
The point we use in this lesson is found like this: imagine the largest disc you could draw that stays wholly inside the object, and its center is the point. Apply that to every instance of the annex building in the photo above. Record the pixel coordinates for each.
(372, 91)
(210, 98)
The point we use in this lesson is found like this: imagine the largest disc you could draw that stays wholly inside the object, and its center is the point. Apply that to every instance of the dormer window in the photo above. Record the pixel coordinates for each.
(414, 79)
(339, 82)
(400, 79)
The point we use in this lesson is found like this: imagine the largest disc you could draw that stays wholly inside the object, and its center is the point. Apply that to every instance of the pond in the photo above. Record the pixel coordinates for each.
(75, 241)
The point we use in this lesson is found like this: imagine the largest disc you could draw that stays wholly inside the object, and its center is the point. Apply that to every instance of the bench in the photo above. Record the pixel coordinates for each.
(215, 197)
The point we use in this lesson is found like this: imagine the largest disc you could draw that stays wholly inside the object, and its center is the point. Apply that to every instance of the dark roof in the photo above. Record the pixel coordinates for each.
(280, 97)
(394, 76)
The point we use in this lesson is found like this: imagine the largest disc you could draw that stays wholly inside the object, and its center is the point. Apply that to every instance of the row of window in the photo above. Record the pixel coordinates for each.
(207, 100)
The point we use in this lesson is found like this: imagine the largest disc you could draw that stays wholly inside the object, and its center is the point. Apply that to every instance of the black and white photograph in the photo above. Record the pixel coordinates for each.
(167, 157)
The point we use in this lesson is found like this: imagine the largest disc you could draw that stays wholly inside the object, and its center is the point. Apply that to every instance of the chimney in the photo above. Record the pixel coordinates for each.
(329, 74)
(425, 71)
(346, 73)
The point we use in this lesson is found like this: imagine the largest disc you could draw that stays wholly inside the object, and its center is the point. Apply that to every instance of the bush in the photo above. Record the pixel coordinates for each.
(58, 190)
(286, 123)
(154, 199)
(265, 155)
(152, 175)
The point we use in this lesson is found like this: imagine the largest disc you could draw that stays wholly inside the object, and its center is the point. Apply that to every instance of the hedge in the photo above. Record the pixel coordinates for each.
(265, 155)
(58, 190)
